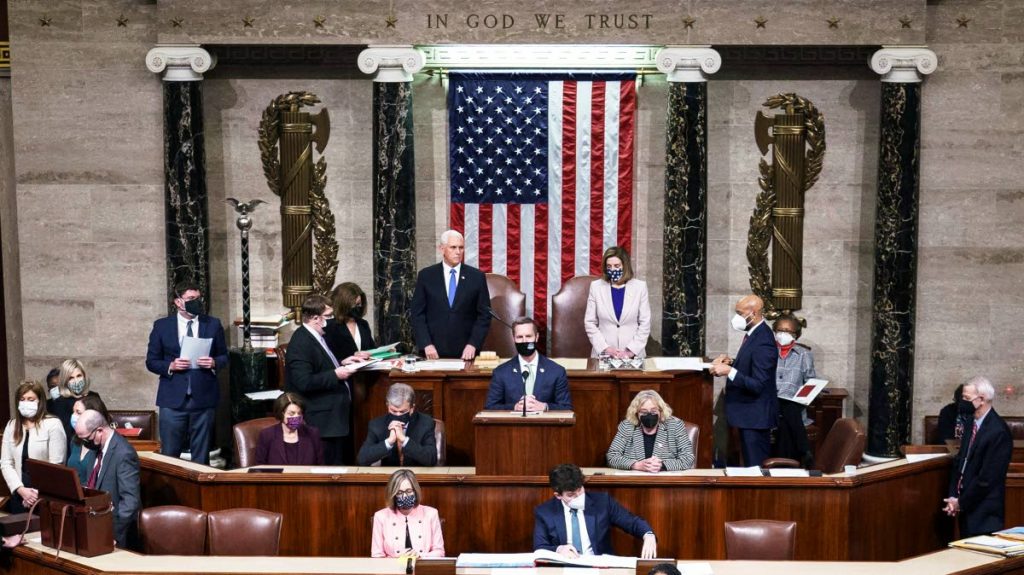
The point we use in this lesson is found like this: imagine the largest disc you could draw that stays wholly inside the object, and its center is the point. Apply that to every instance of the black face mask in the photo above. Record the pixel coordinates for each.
(965, 407)
(405, 418)
(194, 307)
(649, 420)
(90, 444)
(356, 312)
(526, 348)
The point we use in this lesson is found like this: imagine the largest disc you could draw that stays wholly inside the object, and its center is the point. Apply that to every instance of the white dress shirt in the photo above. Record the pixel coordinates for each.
(448, 275)
(588, 549)
(531, 368)
(183, 327)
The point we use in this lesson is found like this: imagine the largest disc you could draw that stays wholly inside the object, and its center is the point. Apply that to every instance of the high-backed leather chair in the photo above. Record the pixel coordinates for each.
(760, 540)
(173, 530)
(844, 445)
(693, 432)
(439, 440)
(568, 309)
(508, 303)
(246, 435)
(241, 532)
(139, 419)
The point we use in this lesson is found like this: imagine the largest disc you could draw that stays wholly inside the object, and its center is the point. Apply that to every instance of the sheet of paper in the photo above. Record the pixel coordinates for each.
(441, 365)
(989, 541)
(383, 365)
(328, 470)
(743, 472)
(571, 363)
(357, 365)
(782, 472)
(810, 390)
(382, 349)
(703, 568)
(194, 348)
(494, 560)
(270, 394)
(677, 363)
(544, 557)
(915, 457)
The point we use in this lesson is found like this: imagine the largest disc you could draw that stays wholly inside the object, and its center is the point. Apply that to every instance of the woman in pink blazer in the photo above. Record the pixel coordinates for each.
(405, 528)
(618, 319)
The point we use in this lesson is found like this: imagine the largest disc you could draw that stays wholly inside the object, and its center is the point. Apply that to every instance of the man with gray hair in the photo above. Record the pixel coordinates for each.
(451, 305)
(403, 437)
(116, 472)
(977, 485)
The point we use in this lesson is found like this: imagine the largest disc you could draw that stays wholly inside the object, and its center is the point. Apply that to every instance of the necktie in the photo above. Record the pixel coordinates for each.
(577, 540)
(188, 387)
(401, 462)
(91, 484)
(960, 481)
(451, 289)
(188, 329)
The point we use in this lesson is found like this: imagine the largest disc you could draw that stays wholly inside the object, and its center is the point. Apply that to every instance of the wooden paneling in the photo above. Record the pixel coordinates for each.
(530, 445)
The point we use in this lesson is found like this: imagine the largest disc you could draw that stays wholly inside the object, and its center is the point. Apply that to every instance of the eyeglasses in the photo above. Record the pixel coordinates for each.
(406, 492)
(651, 412)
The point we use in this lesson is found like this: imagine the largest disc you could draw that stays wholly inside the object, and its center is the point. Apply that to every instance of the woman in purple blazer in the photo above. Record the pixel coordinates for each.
(290, 442)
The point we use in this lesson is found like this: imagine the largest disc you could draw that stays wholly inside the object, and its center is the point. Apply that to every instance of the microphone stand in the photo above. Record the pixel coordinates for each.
(526, 376)
(495, 316)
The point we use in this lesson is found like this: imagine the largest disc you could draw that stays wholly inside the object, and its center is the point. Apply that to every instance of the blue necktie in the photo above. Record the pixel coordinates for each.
(451, 289)
(577, 540)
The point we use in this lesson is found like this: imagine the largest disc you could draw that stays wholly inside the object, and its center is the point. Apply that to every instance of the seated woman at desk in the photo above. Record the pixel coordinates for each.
(650, 438)
(405, 528)
(31, 433)
(796, 366)
(80, 459)
(291, 441)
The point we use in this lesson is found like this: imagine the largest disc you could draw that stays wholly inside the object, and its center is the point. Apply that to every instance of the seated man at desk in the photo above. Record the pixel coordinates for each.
(402, 438)
(545, 384)
(558, 527)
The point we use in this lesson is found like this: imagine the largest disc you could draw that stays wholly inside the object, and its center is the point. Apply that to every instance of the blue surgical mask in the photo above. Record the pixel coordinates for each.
(74, 420)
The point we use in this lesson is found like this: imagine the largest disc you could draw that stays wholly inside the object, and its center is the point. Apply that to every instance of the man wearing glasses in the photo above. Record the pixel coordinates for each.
(116, 472)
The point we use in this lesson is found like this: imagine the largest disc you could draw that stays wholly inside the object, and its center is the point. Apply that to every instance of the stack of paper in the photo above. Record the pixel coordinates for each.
(384, 351)
(991, 545)
(541, 558)
(1013, 533)
(754, 471)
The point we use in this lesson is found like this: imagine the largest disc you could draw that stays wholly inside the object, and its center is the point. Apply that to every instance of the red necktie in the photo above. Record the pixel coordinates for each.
(91, 484)
(960, 481)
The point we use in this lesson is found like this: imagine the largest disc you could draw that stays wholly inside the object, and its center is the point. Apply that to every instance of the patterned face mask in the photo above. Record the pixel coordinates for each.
(614, 275)
(405, 500)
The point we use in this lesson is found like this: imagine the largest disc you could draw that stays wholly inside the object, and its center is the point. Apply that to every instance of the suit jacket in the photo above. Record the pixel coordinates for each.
(421, 450)
(628, 332)
(270, 447)
(119, 476)
(750, 398)
(551, 385)
(449, 329)
(164, 348)
(340, 339)
(311, 375)
(45, 443)
(600, 512)
(671, 445)
(984, 477)
(424, 531)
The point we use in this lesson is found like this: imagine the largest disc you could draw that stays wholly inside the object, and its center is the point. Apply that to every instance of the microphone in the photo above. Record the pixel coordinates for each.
(526, 376)
(490, 310)
(408, 566)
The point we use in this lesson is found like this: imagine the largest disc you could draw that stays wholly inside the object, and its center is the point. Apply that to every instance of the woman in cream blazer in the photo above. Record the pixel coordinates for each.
(406, 527)
(623, 335)
(44, 435)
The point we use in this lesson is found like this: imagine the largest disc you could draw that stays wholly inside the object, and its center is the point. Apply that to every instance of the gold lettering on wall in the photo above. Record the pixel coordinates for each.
(541, 21)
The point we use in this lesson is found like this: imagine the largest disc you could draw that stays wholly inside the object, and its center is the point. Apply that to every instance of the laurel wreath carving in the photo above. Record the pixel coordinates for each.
(325, 244)
(761, 225)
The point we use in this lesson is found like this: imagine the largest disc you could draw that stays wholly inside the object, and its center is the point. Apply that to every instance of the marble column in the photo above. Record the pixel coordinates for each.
(686, 192)
(896, 222)
(186, 212)
(394, 188)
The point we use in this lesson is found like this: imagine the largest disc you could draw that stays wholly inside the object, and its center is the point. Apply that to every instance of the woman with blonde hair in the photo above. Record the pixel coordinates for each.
(618, 317)
(405, 527)
(30, 434)
(650, 438)
(74, 385)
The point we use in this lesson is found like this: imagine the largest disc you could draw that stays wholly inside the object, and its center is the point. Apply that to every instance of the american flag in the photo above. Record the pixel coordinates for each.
(541, 171)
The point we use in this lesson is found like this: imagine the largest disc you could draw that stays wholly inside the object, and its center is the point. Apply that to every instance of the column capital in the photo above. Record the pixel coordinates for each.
(391, 63)
(905, 64)
(180, 62)
(688, 63)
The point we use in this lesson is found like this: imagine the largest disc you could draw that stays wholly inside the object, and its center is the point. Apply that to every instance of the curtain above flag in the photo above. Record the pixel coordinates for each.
(541, 171)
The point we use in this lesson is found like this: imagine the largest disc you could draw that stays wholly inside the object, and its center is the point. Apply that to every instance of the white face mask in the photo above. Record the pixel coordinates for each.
(738, 323)
(784, 338)
(28, 408)
(577, 502)
(54, 392)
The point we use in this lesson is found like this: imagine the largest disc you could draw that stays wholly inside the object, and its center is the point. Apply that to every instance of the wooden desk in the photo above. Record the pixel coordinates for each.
(511, 444)
(884, 513)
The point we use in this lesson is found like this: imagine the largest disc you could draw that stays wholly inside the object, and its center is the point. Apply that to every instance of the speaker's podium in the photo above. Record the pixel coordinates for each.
(509, 444)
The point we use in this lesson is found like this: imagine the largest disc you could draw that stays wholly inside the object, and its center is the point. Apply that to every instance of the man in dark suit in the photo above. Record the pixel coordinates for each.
(450, 307)
(977, 486)
(187, 397)
(116, 472)
(317, 375)
(557, 525)
(402, 438)
(750, 395)
(545, 382)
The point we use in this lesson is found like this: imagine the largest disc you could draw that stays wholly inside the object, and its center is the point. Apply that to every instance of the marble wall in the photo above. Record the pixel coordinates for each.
(9, 248)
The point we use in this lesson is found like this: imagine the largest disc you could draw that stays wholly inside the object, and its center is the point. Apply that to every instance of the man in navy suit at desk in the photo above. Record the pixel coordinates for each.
(545, 382)
(750, 396)
(579, 522)
(451, 305)
(187, 397)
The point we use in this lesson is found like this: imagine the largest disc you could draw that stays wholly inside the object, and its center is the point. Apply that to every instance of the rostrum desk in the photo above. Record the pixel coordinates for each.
(888, 512)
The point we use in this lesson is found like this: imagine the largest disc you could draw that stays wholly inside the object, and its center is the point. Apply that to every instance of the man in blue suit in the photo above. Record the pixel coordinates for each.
(557, 526)
(750, 395)
(451, 304)
(546, 385)
(187, 397)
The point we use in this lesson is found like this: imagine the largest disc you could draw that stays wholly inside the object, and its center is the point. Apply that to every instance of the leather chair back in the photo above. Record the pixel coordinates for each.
(246, 434)
(760, 540)
(140, 419)
(568, 309)
(844, 445)
(282, 372)
(693, 432)
(508, 303)
(173, 530)
(244, 532)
